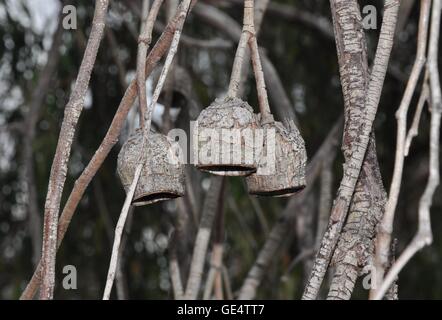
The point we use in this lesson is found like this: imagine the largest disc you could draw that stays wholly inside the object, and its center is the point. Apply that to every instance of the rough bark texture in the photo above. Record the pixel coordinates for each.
(279, 230)
(363, 102)
(31, 120)
(355, 247)
(62, 153)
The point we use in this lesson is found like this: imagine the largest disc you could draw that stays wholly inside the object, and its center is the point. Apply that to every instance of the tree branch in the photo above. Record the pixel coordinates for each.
(386, 226)
(59, 165)
(106, 145)
(424, 235)
(359, 143)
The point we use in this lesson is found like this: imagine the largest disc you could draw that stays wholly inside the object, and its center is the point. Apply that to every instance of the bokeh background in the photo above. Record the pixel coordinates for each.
(304, 56)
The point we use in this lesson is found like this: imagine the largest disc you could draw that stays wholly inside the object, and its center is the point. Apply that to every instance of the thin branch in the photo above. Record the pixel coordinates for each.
(238, 63)
(174, 268)
(150, 108)
(214, 279)
(227, 284)
(224, 23)
(325, 197)
(280, 228)
(118, 232)
(59, 165)
(414, 129)
(202, 238)
(353, 166)
(383, 239)
(106, 145)
(424, 235)
(293, 14)
(148, 18)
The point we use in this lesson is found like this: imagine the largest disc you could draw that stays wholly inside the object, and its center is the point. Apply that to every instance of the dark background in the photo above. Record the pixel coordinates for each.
(305, 59)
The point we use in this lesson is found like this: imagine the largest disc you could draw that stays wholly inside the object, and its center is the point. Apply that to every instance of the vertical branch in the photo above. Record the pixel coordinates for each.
(424, 235)
(214, 278)
(31, 120)
(174, 268)
(122, 219)
(355, 157)
(237, 65)
(203, 237)
(260, 82)
(118, 231)
(325, 197)
(59, 165)
(386, 226)
(168, 88)
(111, 138)
(148, 18)
(281, 227)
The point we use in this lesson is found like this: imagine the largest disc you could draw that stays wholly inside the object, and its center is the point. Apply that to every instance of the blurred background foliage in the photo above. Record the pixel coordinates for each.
(306, 62)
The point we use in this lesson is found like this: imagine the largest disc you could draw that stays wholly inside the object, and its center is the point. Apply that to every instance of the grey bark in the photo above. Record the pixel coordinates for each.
(359, 122)
(31, 119)
(223, 22)
(62, 153)
(203, 236)
(281, 227)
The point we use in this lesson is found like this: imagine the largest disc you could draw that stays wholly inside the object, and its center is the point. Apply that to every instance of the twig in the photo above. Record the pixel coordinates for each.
(238, 63)
(174, 268)
(424, 235)
(227, 285)
(414, 129)
(230, 27)
(214, 276)
(386, 226)
(263, 100)
(203, 237)
(148, 18)
(353, 166)
(106, 145)
(325, 197)
(118, 231)
(59, 165)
